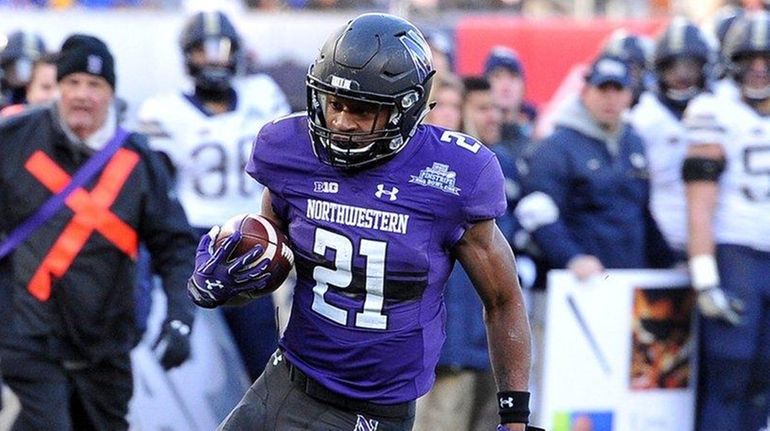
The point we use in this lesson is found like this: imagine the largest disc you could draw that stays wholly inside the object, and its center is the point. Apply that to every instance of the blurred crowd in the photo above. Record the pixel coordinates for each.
(273, 4)
(618, 181)
(634, 8)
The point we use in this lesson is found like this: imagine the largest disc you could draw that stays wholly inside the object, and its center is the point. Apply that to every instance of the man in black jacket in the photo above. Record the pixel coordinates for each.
(69, 322)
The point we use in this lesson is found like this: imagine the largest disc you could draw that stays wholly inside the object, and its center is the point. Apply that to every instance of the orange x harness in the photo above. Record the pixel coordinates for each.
(92, 212)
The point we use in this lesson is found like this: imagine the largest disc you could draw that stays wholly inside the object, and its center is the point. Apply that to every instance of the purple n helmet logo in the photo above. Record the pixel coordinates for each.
(419, 52)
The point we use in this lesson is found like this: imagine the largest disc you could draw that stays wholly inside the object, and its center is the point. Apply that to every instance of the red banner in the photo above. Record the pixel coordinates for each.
(548, 48)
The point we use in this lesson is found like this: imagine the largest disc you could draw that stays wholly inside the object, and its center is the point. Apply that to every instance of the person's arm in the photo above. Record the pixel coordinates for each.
(701, 200)
(546, 188)
(171, 241)
(701, 170)
(487, 258)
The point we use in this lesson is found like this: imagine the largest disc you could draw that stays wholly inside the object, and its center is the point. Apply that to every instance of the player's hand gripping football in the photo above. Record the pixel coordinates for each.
(216, 279)
(714, 303)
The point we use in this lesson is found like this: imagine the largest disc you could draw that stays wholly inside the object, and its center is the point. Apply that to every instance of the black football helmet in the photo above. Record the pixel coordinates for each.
(376, 59)
(636, 52)
(723, 20)
(630, 47)
(683, 45)
(748, 37)
(17, 57)
(215, 37)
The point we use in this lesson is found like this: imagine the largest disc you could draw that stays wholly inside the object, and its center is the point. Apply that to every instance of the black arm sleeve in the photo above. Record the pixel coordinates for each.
(170, 239)
(702, 169)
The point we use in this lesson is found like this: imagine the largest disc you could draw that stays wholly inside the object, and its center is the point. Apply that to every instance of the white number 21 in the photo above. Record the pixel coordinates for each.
(371, 317)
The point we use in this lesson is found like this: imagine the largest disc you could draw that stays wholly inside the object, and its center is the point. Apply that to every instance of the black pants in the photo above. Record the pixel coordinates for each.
(278, 401)
(55, 395)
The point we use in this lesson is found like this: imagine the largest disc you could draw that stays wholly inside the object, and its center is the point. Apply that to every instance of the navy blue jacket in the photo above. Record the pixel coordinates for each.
(601, 190)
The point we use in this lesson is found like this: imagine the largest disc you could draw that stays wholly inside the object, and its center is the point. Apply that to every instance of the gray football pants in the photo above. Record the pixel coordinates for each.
(278, 401)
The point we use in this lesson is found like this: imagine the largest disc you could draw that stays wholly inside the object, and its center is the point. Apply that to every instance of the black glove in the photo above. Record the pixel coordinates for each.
(172, 347)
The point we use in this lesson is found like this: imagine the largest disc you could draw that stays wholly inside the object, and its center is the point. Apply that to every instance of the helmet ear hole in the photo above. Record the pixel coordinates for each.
(378, 59)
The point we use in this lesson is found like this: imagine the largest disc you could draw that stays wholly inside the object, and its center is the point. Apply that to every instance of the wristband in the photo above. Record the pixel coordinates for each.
(528, 428)
(513, 406)
(703, 272)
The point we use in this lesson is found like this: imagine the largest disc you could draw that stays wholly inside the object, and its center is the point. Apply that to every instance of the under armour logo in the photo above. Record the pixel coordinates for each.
(506, 403)
(391, 194)
(363, 424)
(210, 285)
(277, 358)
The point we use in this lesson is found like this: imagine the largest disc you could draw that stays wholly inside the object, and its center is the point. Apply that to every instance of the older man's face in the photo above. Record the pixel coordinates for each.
(84, 102)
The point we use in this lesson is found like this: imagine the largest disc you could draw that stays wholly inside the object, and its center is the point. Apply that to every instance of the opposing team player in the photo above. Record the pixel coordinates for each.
(635, 50)
(728, 194)
(207, 135)
(378, 207)
(682, 62)
(16, 63)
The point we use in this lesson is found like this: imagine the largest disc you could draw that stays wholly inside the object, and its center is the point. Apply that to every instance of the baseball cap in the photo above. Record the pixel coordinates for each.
(502, 56)
(608, 69)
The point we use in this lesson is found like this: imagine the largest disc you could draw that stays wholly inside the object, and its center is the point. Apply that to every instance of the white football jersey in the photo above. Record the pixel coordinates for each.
(210, 151)
(743, 208)
(726, 87)
(665, 141)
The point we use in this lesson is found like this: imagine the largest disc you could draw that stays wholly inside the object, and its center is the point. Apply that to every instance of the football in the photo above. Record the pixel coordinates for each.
(258, 230)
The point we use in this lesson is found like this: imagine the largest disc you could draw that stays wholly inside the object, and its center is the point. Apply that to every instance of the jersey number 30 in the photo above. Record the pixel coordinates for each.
(371, 316)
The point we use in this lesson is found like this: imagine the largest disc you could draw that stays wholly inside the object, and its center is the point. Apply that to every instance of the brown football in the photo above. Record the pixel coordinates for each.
(257, 230)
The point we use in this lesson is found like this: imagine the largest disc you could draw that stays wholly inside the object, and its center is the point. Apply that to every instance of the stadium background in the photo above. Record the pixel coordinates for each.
(144, 33)
(554, 38)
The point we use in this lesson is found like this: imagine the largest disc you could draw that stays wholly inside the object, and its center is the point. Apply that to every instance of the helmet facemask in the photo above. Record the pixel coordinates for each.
(754, 83)
(212, 63)
(682, 78)
(382, 64)
(357, 149)
(17, 73)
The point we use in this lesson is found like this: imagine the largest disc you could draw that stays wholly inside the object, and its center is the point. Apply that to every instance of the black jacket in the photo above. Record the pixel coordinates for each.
(91, 306)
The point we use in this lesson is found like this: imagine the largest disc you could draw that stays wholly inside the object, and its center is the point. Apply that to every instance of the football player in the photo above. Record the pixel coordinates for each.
(16, 60)
(722, 21)
(728, 195)
(635, 50)
(682, 59)
(378, 207)
(207, 136)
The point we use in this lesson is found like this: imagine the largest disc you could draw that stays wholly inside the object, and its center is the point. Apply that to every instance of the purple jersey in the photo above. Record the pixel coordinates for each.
(372, 252)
